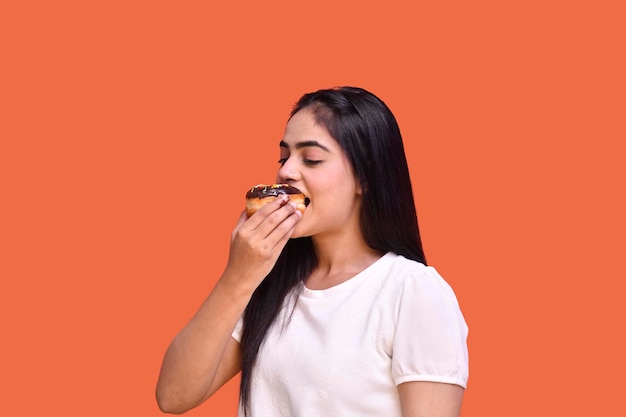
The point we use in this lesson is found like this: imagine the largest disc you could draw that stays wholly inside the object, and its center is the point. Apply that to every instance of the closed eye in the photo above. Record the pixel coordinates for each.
(311, 162)
(308, 162)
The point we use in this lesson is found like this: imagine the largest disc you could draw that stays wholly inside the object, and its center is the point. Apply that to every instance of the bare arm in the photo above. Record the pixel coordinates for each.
(203, 355)
(430, 399)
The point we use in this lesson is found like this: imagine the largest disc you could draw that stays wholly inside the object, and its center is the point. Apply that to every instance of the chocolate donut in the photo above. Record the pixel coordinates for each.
(261, 194)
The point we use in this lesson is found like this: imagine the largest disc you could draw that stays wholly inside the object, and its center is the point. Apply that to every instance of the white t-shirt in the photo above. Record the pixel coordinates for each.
(344, 350)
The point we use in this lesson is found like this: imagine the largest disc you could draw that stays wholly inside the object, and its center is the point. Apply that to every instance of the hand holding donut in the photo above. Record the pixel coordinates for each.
(258, 240)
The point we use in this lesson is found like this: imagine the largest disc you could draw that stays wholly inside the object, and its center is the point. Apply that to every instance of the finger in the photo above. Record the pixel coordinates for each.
(265, 210)
(285, 230)
(282, 231)
(252, 223)
(275, 219)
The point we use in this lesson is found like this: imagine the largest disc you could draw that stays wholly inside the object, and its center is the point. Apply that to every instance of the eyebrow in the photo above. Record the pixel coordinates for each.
(304, 144)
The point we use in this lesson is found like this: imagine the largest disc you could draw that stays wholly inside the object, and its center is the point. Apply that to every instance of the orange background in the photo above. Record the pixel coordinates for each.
(130, 131)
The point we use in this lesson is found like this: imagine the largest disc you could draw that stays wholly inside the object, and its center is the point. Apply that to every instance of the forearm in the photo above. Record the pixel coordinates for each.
(191, 366)
(203, 355)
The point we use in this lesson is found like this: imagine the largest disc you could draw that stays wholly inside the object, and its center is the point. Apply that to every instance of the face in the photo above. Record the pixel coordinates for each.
(312, 160)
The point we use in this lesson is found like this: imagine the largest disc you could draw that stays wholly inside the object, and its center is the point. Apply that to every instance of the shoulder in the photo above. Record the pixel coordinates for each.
(413, 285)
(401, 272)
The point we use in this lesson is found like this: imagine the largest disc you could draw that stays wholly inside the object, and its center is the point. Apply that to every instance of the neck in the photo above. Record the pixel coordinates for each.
(339, 259)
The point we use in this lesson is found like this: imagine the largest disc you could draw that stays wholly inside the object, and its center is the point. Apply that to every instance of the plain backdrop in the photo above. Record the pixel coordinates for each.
(130, 131)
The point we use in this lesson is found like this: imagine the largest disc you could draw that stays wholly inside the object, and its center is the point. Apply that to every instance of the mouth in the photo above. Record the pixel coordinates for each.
(307, 200)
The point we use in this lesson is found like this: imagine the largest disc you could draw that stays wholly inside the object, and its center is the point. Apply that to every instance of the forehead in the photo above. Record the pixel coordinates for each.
(302, 127)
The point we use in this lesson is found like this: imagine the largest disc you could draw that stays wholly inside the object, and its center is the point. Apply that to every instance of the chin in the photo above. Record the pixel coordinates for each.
(300, 231)
(297, 234)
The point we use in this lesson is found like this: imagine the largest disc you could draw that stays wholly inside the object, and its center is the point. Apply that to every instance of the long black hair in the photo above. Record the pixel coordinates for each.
(369, 135)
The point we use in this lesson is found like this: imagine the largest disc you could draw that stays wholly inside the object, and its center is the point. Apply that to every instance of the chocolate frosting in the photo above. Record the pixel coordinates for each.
(262, 190)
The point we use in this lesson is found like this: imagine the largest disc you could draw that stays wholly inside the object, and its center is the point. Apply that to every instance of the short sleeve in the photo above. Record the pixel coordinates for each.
(238, 332)
(430, 340)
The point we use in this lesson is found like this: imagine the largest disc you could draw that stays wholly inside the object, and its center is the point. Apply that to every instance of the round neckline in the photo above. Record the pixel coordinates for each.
(348, 284)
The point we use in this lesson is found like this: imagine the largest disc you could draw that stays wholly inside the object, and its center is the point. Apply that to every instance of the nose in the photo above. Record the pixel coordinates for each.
(288, 172)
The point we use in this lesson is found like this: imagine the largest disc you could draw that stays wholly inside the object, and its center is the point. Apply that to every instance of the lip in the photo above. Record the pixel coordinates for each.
(307, 200)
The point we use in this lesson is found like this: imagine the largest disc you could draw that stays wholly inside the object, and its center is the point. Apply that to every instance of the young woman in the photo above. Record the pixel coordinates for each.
(332, 312)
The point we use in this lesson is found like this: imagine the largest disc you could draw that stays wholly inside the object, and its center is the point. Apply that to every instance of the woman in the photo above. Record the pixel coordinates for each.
(331, 312)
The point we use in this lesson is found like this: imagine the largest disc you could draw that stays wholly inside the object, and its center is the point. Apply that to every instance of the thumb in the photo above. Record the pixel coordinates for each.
(242, 218)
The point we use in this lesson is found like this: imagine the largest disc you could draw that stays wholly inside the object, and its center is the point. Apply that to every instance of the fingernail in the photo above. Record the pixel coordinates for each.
(294, 205)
